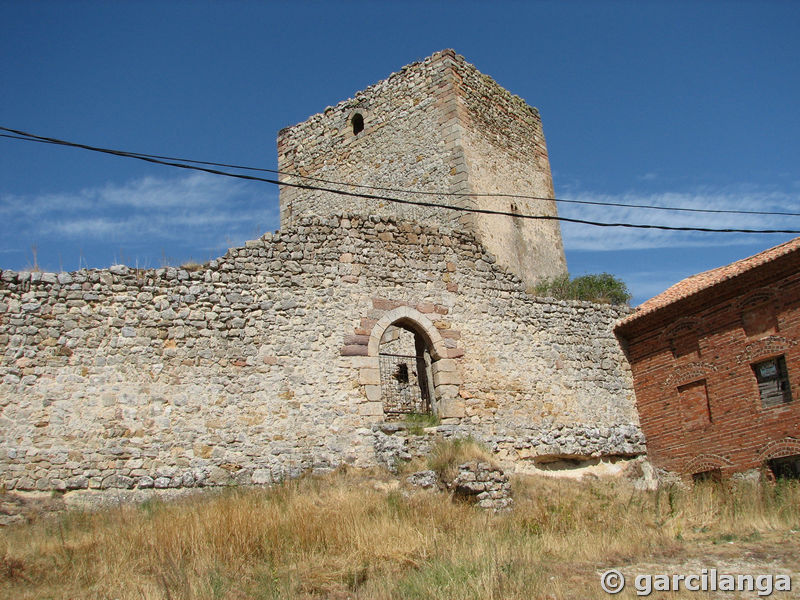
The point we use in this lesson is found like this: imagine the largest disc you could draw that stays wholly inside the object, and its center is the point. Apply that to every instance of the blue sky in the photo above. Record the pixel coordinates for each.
(677, 104)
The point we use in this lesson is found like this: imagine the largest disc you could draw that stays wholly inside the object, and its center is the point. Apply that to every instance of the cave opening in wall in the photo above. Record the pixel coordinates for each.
(405, 361)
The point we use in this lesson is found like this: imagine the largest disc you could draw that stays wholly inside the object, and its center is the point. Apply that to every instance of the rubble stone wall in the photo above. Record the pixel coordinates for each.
(257, 367)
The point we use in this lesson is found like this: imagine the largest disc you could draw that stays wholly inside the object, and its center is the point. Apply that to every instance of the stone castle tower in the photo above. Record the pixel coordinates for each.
(437, 125)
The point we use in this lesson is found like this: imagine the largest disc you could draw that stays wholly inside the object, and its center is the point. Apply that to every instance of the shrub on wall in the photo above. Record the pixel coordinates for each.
(603, 288)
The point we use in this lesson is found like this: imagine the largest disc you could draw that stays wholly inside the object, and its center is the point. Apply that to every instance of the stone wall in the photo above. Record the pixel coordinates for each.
(401, 147)
(260, 366)
(442, 126)
(506, 155)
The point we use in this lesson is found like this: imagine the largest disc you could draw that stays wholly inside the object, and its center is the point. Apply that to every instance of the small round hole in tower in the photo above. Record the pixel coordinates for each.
(358, 123)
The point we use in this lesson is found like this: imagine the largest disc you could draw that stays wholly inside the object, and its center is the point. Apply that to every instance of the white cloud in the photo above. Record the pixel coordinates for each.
(150, 207)
(586, 237)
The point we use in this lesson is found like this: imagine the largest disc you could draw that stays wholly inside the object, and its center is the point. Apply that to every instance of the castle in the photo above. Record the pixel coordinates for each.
(305, 349)
(436, 125)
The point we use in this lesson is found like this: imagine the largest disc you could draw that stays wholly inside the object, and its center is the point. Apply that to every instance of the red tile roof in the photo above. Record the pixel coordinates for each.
(702, 281)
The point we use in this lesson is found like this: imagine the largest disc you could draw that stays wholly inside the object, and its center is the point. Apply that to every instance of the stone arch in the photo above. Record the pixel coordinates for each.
(413, 319)
(706, 462)
(444, 376)
(356, 122)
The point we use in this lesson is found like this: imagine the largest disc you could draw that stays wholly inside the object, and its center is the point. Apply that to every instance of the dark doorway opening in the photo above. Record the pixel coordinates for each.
(404, 360)
(786, 467)
(712, 475)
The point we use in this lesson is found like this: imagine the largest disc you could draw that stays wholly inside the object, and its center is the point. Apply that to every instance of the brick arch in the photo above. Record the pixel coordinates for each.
(682, 325)
(687, 373)
(758, 297)
(780, 448)
(764, 348)
(706, 462)
(414, 320)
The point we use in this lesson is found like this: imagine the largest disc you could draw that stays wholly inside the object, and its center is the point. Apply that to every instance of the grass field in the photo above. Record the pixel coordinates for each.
(361, 534)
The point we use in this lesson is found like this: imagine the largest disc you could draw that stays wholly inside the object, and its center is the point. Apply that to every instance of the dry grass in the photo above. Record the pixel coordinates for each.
(345, 536)
(192, 265)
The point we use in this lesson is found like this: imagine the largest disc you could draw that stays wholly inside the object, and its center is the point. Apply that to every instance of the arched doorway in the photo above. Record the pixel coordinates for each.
(404, 363)
(433, 377)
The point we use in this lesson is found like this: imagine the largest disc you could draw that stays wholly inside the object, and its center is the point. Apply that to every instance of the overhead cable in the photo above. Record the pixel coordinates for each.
(172, 162)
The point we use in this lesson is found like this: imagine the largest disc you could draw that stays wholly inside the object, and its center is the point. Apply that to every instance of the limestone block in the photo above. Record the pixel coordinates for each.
(262, 476)
(370, 362)
(369, 376)
(446, 378)
(444, 365)
(354, 350)
(446, 391)
(373, 392)
(371, 409)
(450, 408)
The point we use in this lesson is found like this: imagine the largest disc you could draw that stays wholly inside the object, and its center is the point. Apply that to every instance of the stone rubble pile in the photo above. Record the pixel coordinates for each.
(483, 483)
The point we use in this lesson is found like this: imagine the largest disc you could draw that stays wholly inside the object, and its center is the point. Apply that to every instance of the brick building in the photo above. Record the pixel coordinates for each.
(716, 367)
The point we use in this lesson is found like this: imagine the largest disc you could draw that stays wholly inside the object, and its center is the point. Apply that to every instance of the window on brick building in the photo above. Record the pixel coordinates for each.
(683, 337)
(773, 382)
(685, 345)
(694, 404)
(358, 123)
(759, 321)
(786, 467)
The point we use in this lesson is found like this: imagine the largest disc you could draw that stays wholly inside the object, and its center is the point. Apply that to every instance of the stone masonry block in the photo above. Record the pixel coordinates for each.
(446, 391)
(446, 378)
(384, 304)
(444, 365)
(354, 350)
(370, 409)
(360, 362)
(373, 392)
(369, 377)
(425, 307)
(451, 408)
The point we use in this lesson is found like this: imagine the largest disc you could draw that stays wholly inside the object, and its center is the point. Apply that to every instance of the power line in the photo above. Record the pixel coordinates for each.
(36, 138)
(22, 135)
(183, 165)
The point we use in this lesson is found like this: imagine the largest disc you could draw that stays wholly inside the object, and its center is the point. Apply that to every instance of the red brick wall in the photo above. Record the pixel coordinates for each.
(696, 392)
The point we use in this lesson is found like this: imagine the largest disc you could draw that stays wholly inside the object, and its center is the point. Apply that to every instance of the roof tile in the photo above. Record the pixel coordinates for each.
(702, 281)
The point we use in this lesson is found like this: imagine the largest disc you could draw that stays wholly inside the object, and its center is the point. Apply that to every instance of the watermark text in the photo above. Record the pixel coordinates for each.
(707, 580)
